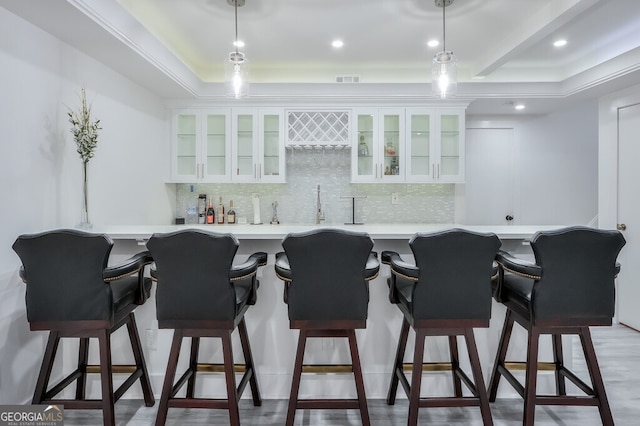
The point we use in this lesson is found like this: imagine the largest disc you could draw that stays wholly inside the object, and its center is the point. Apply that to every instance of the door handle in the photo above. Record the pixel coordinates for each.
(621, 227)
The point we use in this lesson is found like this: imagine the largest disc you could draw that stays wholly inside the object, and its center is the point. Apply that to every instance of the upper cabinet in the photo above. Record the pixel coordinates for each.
(201, 143)
(227, 145)
(378, 150)
(435, 145)
(258, 145)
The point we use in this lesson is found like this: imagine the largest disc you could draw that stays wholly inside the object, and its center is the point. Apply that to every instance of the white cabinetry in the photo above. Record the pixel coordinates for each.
(435, 145)
(201, 145)
(258, 145)
(377, 153)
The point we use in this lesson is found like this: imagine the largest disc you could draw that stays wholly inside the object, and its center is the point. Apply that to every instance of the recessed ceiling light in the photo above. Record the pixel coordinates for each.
(337, 44)
(433, 43)
(560, 43)
(519, 106)
(238, 43)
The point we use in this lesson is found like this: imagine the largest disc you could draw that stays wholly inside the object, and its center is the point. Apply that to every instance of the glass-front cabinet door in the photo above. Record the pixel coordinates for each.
(258, 145)
(217, 158)
(451, 148)
(392, 145)
(201, 146)
(420, 166)
(364, 168)
(378, 148)
(244, 141)
(186, 136)
(272, 156)
(435, 145)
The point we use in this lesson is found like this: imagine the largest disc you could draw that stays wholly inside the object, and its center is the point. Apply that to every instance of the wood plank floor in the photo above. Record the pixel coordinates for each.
(617, 347)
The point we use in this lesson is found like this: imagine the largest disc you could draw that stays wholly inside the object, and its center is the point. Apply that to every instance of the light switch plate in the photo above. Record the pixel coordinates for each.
(395, 199)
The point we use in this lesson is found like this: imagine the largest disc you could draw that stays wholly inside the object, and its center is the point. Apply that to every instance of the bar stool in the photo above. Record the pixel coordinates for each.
(568, 289)
(202, 294)
(326, 274)
(73, 294)
(446, 293)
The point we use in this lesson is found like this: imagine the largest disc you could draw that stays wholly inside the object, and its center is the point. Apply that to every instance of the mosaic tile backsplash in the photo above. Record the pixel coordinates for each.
(296, 199)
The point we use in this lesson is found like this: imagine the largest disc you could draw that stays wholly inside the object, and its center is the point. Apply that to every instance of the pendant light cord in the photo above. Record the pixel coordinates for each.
(235, 3)
(444, 44)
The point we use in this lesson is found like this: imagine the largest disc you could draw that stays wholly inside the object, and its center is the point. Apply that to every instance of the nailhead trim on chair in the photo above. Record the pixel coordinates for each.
(533, 277)
(122, 276)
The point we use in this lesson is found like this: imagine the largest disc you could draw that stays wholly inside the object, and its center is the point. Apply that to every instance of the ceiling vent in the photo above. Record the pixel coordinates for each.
(348, 78)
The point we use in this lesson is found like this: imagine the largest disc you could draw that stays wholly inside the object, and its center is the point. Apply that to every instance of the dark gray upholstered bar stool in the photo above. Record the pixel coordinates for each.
(446, 293)
(201, 293)
(568, 289)
(326, 273)
(73, 293)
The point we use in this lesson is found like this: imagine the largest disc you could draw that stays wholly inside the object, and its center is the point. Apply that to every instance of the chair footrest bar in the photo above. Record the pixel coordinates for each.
(62, 384)
(577, 381)
(449, 402)
(199, 403)
(116, 369)
(183, 379)
(327, 368)
(219, 368)
(328, 404)
(522, 366)
(75, 404)
(566, 400)
(428, 366)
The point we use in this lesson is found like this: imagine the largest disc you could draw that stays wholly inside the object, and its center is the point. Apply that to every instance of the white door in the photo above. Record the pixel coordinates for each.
(489, 195)
(628, 296)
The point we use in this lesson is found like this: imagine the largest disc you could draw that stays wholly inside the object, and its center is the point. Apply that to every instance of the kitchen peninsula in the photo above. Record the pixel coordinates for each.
(267, 322)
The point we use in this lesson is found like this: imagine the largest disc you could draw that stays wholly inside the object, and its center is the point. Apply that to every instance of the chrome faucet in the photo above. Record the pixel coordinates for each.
(319, 213)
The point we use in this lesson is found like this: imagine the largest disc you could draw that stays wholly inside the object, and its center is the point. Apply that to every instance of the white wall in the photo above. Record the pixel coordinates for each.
(555, 164)
(608, 153)
(40, 172)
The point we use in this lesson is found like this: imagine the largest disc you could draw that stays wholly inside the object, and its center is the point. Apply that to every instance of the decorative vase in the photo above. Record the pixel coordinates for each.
(84, 217)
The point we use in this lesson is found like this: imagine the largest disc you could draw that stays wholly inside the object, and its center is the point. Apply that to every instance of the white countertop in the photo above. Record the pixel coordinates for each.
(275, 232)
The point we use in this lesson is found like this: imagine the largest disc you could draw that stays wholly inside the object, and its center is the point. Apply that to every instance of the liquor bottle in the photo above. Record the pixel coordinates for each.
(231, 214)
(220, 212)
(202, 209)
(210, 213)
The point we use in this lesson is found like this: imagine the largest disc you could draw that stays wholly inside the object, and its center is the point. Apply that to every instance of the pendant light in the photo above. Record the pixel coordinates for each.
(444, 74)
(236, 66)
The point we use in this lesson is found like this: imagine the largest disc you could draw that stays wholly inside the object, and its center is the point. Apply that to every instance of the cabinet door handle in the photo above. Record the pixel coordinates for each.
(438, 171)
(433, 171)
(260, 171)
(197, 171)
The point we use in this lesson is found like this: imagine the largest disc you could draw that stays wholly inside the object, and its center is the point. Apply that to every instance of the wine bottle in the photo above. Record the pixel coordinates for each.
(220, 212)
(210, 213)
(231, 214)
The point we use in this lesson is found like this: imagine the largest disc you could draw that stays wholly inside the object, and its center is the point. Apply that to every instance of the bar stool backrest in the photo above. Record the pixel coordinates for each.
(578, 267)
(454, 279)
(192, 270)
(63, 270)
(328, 275)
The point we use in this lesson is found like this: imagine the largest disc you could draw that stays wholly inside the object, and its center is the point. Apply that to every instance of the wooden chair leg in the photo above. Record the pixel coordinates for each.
(295, 382)
(357, 373)
(455, 365)
(167, 387)
(250, 366)
(136, 346)
(416, 378)
(46, 367)
(193, 366)
(531, 377)
(397, 365)
(596, 376)
(476, 370)
(108, 414)
(230, 376)
(500, 356)
(83, 359)
(558, 360)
